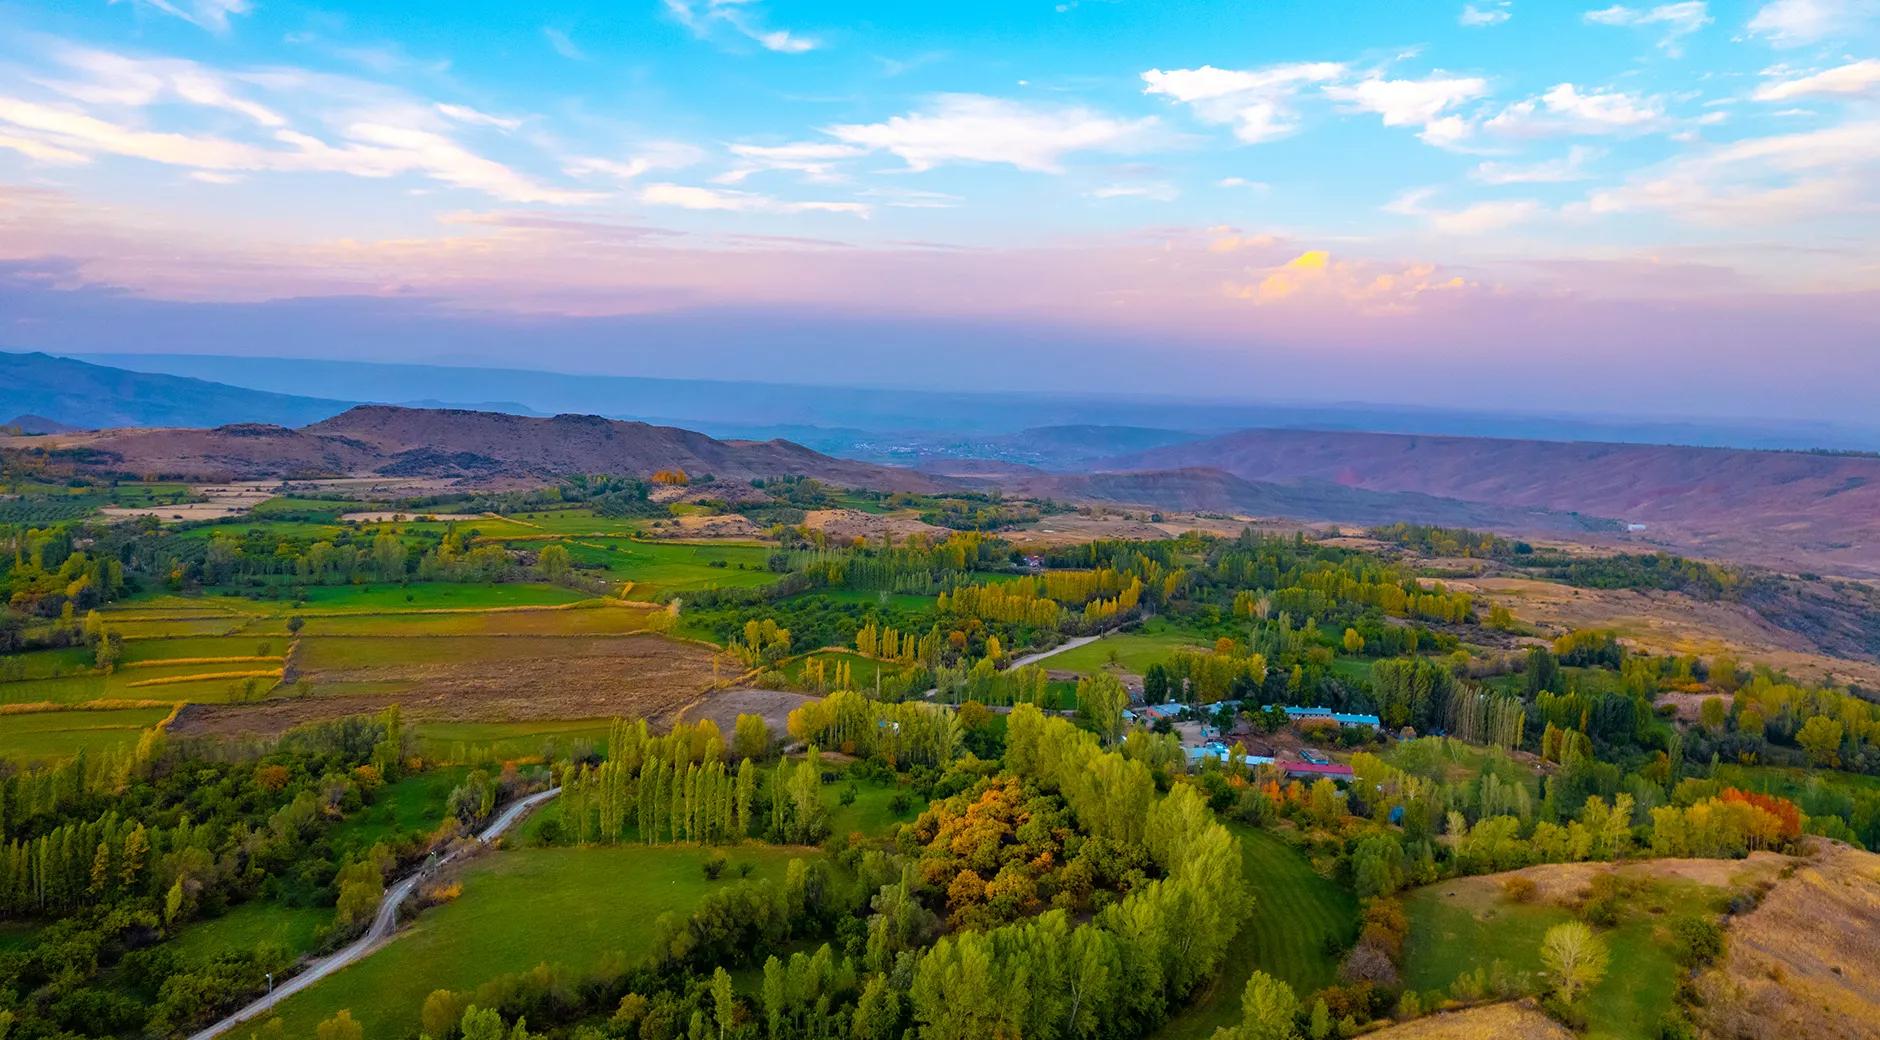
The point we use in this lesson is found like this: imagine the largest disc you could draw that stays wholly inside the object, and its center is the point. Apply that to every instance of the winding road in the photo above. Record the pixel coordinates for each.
(382, 925)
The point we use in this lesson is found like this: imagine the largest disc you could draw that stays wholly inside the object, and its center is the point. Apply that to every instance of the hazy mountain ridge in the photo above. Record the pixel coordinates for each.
(1797, 509)
(458, 444)
(87, 396)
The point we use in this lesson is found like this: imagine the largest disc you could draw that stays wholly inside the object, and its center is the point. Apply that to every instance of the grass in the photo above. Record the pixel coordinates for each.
(1135, 649)
(1295, 913)
(1460, 925)
(872, 598)
(581, 620)
(861, 669)
(660, 567)
(521, 908)
(439, 595)
(252, 924)
(505, 739)
(871, 813)
(61, 734)
(410, 805)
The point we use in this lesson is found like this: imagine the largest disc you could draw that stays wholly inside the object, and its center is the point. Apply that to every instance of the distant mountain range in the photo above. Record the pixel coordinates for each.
(1800, 509)
(381, 440)
(77, 394)
(905, 425)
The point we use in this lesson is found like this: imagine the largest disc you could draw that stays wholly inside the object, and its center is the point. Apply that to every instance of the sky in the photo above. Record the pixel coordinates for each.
(1652, 209)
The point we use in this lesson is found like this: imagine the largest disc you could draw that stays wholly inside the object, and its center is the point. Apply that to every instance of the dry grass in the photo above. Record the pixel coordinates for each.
(1564, 883)
(1669, 623)
(1511, 1021)
(171, 680)
(1806, 962)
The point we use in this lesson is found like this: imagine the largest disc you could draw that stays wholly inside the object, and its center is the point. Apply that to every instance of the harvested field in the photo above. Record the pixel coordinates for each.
(730, 525)
(474, 679)
(724, 706)
(1519, 1020)
(1806, 962)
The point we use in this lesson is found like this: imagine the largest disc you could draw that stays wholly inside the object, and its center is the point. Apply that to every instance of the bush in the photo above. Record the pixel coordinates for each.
(714, 866)
(1696, 941)
(1519, 889)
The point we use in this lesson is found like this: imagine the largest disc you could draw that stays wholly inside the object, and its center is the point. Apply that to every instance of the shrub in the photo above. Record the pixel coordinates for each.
(1697, 941)
(714, 866)
(1519, 889)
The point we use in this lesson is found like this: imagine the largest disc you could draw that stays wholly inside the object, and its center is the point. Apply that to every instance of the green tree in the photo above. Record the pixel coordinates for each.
(553, 562)
(1820, 736)
(340, 1027)
(1101, 699)
(1268, 1010)
(1574, 957)
(724, 1001)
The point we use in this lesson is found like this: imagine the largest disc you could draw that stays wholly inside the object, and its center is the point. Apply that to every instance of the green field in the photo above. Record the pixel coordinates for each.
(412, 805)
(60, 734)
(506, 739)
(521, 908)
(293, 930)
(861, 669)
(871, 813)
(1295, 913)
(1460, 925)
(1135, 649)
(661, 567)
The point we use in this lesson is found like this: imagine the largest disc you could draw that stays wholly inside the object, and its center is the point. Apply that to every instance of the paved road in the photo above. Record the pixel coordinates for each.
(382, 925)
(1068, 644)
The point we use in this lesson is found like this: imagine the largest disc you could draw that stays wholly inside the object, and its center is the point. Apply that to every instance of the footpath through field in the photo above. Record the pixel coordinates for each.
(379, 932)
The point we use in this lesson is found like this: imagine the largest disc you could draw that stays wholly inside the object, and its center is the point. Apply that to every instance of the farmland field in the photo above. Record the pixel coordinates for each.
(521, 908)
(60, 734)
(468, 678)
(1295, 913)
(660, 567)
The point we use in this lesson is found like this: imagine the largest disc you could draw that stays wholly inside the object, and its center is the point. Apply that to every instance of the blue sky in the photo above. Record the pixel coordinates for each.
(1341, 188)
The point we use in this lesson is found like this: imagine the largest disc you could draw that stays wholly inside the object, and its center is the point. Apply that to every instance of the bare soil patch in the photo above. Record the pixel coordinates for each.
(845, 525)
(724, 706)
(1806, 962)
(725, 525)
(509, 679)
(1511, 1021)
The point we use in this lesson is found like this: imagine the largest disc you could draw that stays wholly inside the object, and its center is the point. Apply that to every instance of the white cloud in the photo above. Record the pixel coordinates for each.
(704, 17)
(814, 160)
(912, 198)
(653, 155)
(1795, 23)
(978, 129)
(1158, 191)
(563, 44)
(1570, 167)
(1257, 103)
(1244, 183)
(1477, 16)
(685, 196)
(1850, 80)
(1565, 110)
(470, 116)
(1679, 20)
(1477, 219)
(114, 80)
(1416, 102)
(212, 15)
(1759, 181)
